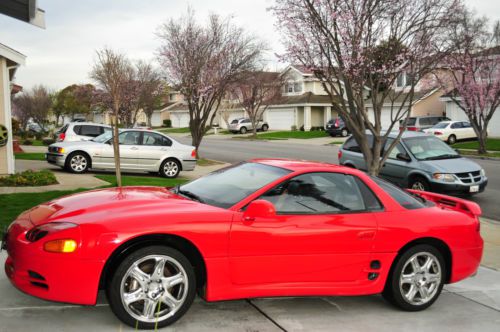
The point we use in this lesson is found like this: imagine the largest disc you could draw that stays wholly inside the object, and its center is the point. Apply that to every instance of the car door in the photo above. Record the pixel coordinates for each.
(457, 130)
(396, 169)
(129, 151)
(322, 233)
(154, 146)
(468, 130)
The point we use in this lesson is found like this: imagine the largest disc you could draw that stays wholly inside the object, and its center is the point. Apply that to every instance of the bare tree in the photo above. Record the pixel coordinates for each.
(111, 71)
(35, 105)
(203, 60)
(256, 92)
(152, 89)
(21, 109)
(338, 41)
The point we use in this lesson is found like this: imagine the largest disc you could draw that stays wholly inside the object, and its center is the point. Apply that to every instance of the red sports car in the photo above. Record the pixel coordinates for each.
(256, 229)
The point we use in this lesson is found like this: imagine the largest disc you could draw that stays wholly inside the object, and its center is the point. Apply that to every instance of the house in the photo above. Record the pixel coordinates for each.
(304, 104)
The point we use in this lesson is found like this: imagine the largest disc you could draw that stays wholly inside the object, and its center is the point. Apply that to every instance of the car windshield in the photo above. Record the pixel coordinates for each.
(103, 137)
(429, 148)
(228, 186)
(441, 125)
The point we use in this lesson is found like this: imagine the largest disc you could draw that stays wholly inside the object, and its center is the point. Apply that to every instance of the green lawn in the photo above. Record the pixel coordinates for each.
(292, 134)
(492, 144)
(13, 204)
(474, 153)
(207, 162)
(30, 155)
(175, 130)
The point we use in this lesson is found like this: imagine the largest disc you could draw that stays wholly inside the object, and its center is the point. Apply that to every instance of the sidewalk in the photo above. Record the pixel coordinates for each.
(490, 231)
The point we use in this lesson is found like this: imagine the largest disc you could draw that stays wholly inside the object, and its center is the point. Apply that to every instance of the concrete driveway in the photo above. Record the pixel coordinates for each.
(473, 304)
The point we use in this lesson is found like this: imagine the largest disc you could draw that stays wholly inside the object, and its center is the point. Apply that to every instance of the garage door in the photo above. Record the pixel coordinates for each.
(180, 120)
(280, 119)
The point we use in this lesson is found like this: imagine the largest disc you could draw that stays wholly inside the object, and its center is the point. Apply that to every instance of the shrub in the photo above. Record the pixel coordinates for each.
(28, 178)
(48, 141)
(294, 128)
(27, 142)
(167, 123)
(302, 128)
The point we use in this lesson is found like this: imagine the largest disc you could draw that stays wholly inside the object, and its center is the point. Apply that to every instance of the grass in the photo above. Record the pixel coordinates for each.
(30, 155)
(175, 130)
(293, 134)
(337, 142)
(207, 162)
(492, 144)
(495, 154)
(13, 204)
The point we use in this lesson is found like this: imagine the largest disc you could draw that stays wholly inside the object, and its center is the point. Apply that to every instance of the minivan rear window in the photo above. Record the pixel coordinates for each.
(234, 121)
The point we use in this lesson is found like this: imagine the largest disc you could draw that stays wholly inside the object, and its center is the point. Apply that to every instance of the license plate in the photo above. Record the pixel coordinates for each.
(473, 189)
(51, 158)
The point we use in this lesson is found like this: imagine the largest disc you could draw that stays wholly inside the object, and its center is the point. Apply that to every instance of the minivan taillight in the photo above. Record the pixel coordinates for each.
(61, 137)
(412, 128)
(339, 154)
(337, 123)
(193, 153)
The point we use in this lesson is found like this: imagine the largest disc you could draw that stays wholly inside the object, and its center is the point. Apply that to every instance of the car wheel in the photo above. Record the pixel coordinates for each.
(452, 139)
(77, 162)
(344, 132)
(419, 183)
(170, 168)
(265, 127)
(243, 130)
(152, 287)
(416, 279)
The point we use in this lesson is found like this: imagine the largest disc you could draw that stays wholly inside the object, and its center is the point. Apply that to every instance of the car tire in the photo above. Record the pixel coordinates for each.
(77, 162)
(419, 183)
(170, 168)
(265, 127)
(243, 130)
(452, 139)
(146, 280)
(416, 278)
(344, 132)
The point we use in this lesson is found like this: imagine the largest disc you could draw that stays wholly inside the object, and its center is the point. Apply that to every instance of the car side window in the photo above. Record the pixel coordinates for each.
(456, 125)
(77, 129)
(397, 149)
(153, 139)
(466, 124)
(321, 193)
(129, 138)
(92, 131)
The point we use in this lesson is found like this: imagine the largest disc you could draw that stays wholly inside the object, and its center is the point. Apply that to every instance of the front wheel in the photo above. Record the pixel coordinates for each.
(170, 168)
(344, 133)
(265, 127)
(243, 130)
(452, 139)
(419, 183)
(417, 279)
(77, 162)
(153, 287)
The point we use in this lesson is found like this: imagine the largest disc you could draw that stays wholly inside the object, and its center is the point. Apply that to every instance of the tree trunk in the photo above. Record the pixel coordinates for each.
(116, 150)
(149, 116)
(482, 137)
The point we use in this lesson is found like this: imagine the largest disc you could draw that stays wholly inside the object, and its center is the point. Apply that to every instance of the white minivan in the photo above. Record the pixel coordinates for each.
(80, 131)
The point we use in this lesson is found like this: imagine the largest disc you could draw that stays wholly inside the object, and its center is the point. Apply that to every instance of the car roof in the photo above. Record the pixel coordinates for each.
(78, 123)
(407, 134)
(296, 165)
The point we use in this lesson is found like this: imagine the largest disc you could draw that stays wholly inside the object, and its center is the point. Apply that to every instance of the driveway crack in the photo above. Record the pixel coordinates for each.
(266, 315)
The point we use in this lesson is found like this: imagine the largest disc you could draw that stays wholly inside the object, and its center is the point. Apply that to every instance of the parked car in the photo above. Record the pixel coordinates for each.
(419, 123)
(452, 131)
(80, 131)
(422, 162)
(140, 150)
(257, 229)
(336, 127)
(243, 125)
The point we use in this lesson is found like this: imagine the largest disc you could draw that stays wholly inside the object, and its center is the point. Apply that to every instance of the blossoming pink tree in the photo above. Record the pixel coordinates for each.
(358, 48)
(202, 61)
(475, 73)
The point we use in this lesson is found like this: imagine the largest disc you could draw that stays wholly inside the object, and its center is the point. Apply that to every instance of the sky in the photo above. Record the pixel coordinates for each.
(64, 52)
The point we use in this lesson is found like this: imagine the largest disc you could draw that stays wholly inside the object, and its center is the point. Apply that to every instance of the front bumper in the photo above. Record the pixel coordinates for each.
(458, 188)
(67, 278)
(55, 158)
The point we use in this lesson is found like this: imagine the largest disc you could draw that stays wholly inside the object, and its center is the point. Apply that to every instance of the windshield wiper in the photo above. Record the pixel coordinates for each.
(189, 194)
(443, 156)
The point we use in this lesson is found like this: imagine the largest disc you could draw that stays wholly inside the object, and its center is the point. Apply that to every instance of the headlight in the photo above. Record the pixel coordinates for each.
(483, 173)
(444, 177)
(39, 232)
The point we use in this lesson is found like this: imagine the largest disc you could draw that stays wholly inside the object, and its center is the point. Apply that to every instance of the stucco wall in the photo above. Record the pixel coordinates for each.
(317, 116)
(429, 106)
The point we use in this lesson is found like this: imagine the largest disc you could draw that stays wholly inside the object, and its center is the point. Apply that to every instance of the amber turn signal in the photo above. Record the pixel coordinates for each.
(64, 246)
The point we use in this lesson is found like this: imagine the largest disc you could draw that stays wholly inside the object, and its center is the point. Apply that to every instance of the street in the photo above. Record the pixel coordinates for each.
(235, 150)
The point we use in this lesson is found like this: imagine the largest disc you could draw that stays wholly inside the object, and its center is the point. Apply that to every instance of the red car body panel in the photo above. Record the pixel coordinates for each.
(285, 256)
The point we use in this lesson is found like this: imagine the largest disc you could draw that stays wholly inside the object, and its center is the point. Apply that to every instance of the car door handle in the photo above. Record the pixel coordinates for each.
(365, 235)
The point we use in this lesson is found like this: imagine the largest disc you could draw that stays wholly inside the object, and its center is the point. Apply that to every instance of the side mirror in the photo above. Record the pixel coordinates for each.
(259, 209)
(403, 157)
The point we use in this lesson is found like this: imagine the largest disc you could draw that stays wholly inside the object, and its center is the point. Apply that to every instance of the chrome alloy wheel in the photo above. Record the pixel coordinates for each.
(171, 168)
(154, 288)
(417, 185)
(420, 278)
(78, 163)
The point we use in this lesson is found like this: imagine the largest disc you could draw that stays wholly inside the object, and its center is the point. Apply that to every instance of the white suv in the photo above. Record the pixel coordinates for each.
(243, 125)
(80, 131)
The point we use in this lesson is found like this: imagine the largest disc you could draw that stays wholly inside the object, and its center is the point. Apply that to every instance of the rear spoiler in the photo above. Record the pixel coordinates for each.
(449, 202)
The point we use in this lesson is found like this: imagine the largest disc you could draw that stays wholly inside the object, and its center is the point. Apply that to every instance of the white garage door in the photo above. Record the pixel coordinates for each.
(280, 119)
(180, 120)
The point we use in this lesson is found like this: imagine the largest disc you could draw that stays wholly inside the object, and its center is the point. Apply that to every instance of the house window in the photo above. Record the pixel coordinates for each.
(293, 87)
(172, 97)
(403, 80)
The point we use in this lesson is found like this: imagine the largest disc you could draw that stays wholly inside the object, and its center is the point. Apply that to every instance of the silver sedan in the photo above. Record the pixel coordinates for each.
(140, 150)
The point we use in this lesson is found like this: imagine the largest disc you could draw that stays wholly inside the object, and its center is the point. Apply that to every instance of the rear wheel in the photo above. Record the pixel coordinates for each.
(77, 162)
(344, 132)
(170, 168)
(243, 130)
(417, 278)
(419, 183)
(452, 139)
(265, 127)
(153, 287)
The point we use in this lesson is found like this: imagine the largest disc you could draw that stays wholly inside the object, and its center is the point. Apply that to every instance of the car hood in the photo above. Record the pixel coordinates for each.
(454, 165)
(111, 204)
